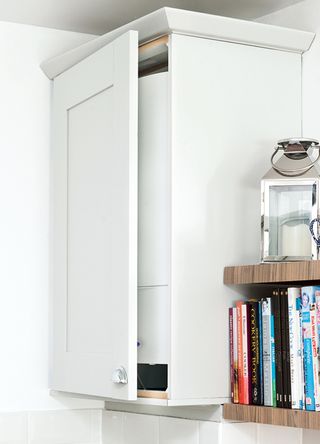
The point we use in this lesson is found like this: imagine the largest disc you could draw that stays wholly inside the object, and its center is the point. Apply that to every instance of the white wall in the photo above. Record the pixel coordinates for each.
(306, 16)
(24, 215)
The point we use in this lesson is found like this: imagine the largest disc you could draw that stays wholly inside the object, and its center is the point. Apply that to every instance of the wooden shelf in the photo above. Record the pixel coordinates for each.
(307, 271)
(155, 394)
(272, 416)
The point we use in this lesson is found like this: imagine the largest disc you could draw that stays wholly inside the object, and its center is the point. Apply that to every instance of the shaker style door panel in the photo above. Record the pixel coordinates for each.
(95, 223)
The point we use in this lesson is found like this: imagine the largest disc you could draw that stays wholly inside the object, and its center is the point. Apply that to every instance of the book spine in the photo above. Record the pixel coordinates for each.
(317, 315)
(273, 364)
(287, 345)
(317, 308)
(255, 353)
(245, 354)
(267, 358)
(308, 370)
(294, 347)
(278, 348)
(249, 354)
(231, 353)
(240, 352)
(285, 379)
(235, 357)
(260, 336)
(307, 349)
(315, 364)
(301, 360)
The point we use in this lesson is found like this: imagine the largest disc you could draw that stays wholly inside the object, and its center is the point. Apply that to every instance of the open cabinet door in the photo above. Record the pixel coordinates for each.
(94, 128)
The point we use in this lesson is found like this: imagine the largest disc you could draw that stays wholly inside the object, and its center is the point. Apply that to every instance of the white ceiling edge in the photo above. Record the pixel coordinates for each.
(101, 16)
(171, 20)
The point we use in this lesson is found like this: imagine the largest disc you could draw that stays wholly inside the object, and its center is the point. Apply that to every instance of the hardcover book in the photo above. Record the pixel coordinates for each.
(255, 353)
(295, 348)
(245, 353)
(235, 357)
(285, 349)
(278, 347)
(240, 352)
(267, 335)
(273, 364)
(315, 362)
(231, 353)
(261, 354)
(307, 295)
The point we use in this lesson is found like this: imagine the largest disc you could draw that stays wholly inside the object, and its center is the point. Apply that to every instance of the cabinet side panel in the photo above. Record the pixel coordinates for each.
(230, 104)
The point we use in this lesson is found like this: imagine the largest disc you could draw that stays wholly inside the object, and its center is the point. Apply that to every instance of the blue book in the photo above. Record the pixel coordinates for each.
(308, 299)
(308, 373)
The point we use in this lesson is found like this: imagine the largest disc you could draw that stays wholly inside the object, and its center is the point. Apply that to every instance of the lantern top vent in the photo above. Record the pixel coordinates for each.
(299, 157)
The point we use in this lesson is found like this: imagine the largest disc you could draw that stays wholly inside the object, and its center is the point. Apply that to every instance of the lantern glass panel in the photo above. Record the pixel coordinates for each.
(290, 212)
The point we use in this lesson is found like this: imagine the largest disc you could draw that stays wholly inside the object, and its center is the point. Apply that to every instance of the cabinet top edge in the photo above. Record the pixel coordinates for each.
(170, 20)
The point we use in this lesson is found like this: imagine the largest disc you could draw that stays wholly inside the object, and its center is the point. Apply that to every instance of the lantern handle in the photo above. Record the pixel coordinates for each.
(297, 171)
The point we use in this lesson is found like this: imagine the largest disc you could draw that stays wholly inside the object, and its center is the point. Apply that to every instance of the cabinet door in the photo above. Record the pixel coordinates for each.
(95, 222)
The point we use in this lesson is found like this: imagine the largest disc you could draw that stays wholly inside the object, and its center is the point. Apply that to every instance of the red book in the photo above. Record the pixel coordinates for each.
(249, 354)
(240, 352)
(245, 353)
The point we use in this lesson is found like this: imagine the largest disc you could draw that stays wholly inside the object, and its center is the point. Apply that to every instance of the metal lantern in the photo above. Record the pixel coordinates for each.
(290, 202)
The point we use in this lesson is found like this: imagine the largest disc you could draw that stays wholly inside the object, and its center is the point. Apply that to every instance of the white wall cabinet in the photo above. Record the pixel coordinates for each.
(155, 188)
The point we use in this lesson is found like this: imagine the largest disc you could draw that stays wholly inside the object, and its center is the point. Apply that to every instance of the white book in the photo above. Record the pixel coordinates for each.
(315, 362)
(295, 348)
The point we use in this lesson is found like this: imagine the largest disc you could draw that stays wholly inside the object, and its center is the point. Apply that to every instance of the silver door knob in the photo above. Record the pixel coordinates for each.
(119, 376)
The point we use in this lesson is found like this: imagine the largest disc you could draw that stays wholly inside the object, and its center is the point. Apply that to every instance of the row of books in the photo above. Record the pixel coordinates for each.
(275, 349)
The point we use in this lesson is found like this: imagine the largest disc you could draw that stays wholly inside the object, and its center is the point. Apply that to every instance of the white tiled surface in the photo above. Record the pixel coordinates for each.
(178, 431)
(60, 427)
(51, 427)
(273, 434)
(129, 428)
(209, 432)
(112, 427)
(13, 428)
(139, 429)
(239, 433)
(310, 437)
(108, 427)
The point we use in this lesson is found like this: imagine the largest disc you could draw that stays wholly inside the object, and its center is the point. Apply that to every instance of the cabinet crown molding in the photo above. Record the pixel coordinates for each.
(170, 20)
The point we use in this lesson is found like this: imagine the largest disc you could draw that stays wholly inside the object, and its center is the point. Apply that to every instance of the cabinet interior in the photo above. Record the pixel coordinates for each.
(153, 56)
(153, 222)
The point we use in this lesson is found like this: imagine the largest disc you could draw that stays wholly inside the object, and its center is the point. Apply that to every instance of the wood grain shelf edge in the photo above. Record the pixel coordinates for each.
(272, 416)
(154, 394)
(306, 271)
